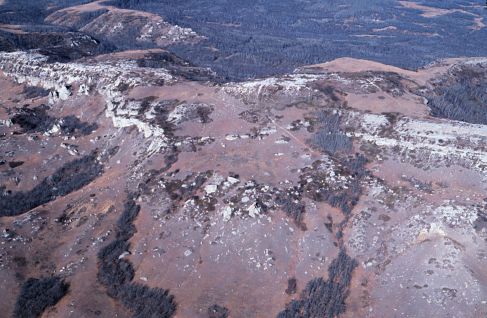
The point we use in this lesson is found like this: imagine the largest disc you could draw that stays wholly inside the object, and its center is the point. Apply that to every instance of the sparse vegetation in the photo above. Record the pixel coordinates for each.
(228, 204)
(344, 198)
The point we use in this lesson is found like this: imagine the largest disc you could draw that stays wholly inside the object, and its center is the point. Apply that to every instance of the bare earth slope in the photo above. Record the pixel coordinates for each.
(335, 190)
(121, 25)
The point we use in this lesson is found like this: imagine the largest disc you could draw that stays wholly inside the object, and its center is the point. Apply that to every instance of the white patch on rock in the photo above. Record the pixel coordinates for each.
(227, 213)
(211, 188)
(253, 210)
(233, 180)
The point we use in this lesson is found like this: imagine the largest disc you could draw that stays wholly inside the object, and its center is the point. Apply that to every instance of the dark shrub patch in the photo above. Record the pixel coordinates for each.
(125, 227)
(34, 120)
(72, 126)
(343, 198)
(329, 138)
(332, 142)
(15, 164)
(323, 298)
(116, 273)
(461, 95)
(176, 66)
(464, 101)
(217, 311)
(38, 294)
(481, 221)
(292, 285)
(294, 210)
(57, 43)
(72, 176)
(34, 92)
(147, 302)
(38, 120)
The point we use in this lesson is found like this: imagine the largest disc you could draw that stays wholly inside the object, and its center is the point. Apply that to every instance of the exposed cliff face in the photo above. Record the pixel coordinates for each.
(32, 67)
(110, 81)
(432, 140)
(313, 191)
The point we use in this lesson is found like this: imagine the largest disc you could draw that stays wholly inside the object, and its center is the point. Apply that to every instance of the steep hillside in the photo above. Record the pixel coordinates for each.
(126, 29)
(335, 190)
(236, 159)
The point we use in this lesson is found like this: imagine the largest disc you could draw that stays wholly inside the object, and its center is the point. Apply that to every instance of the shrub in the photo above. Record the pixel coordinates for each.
(125, 227)
(72, 126)
(332, 142)
(34, 92)
(345, 198)
(464, 101)
(70, 177)
(323, 298)
(38, 294)
(37, 120)
(33, 120)
(116, 273)
(292, 285)
(217, 311)
(329, 138)
(147, 302)
(294, 210)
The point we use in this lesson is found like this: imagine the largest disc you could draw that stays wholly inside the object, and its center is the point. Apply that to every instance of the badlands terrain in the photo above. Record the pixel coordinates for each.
(138, 181)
